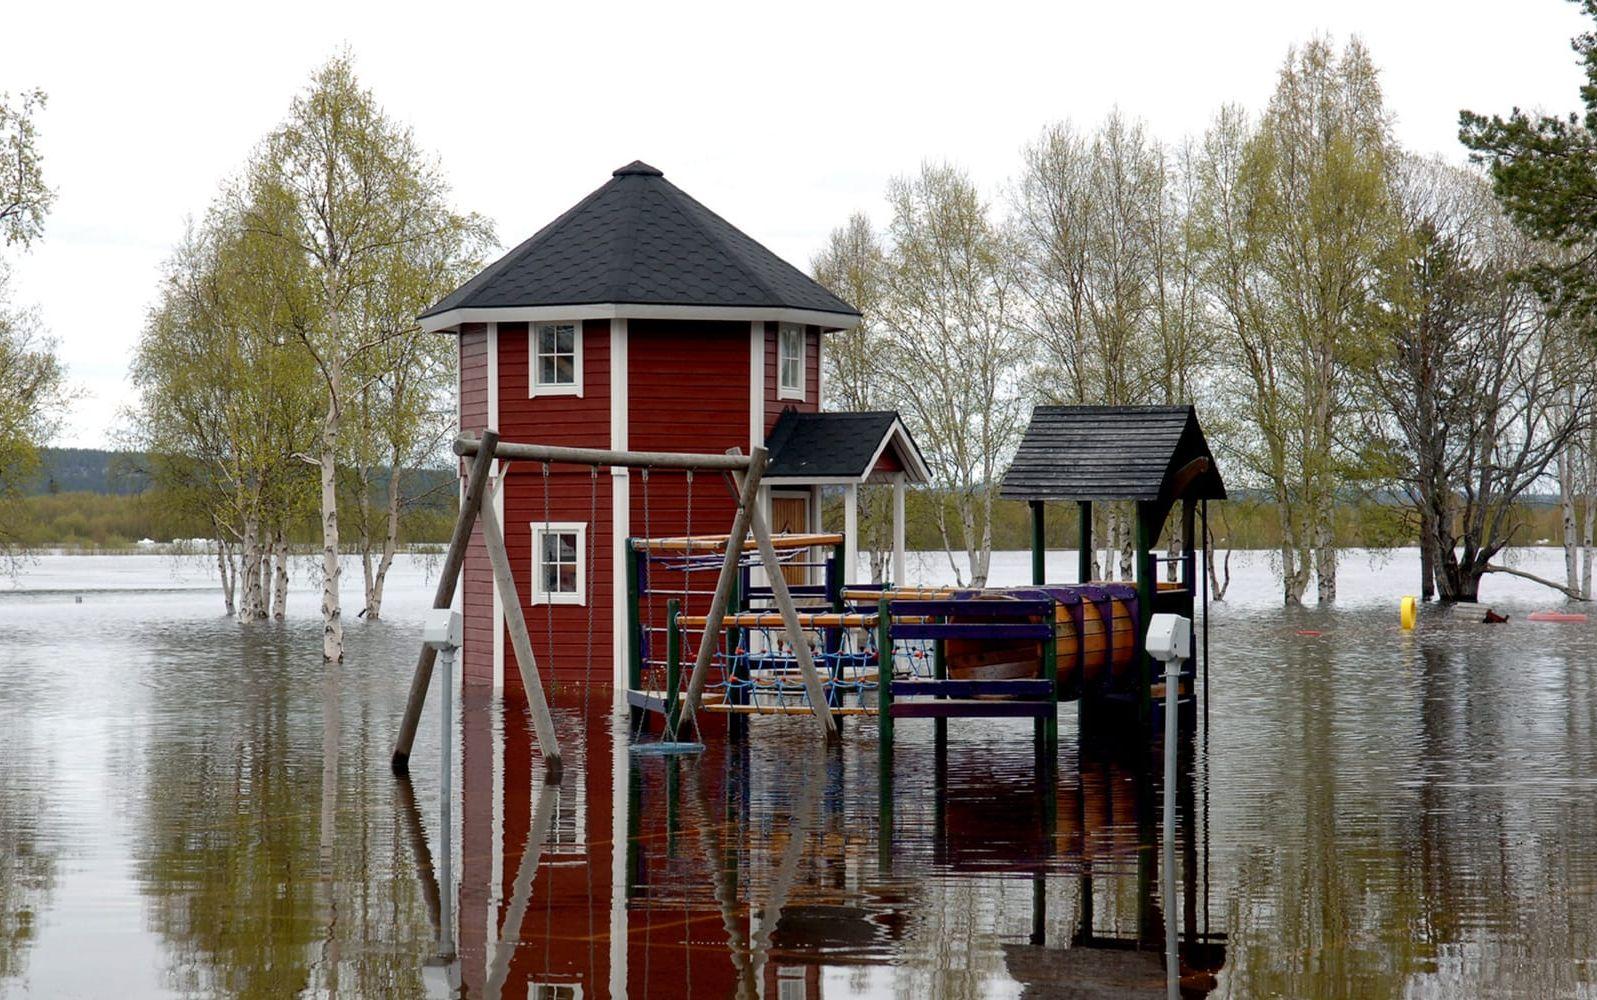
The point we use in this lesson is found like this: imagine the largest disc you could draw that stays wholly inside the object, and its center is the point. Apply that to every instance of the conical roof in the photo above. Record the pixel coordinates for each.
(641, 240)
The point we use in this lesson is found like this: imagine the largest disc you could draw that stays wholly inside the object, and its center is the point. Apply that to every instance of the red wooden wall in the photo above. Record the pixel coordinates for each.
(688, 391)
(476, 584)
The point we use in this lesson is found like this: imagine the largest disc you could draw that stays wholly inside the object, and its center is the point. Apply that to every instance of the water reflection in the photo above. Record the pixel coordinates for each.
(207, 810)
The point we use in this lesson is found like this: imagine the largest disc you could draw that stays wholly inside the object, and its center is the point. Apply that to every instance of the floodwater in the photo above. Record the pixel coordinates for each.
(192, 807)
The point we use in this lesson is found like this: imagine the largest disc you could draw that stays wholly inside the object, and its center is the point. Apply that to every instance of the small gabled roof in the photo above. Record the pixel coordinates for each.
(1113, 453)
(839, 447)
(641, 241)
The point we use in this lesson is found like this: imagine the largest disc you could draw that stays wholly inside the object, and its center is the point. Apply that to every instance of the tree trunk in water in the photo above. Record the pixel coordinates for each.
(1294, 570)
(250, 606)
(374, 587)
(1566, 500)
(332, 621)
(1325, 554)
(1427, 562)
(1217, 584)
(1586, 545)
(225, 570)
(280, 578)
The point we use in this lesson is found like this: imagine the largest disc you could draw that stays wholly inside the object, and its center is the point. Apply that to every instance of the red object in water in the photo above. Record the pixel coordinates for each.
(1556, 616)
(1309, 631)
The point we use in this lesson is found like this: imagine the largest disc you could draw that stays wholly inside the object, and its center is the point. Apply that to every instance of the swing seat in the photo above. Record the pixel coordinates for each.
(664, 748)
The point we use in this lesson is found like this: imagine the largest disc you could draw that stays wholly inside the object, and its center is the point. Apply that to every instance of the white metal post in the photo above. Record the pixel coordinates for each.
(442, 631)
(850, 532)
(446, 801)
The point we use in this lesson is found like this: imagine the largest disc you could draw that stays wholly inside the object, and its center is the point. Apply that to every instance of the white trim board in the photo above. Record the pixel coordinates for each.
(756, 385)
(620, 506)
(612, 310)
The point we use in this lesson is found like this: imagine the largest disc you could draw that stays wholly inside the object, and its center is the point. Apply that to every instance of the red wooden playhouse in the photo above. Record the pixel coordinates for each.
(639, 319)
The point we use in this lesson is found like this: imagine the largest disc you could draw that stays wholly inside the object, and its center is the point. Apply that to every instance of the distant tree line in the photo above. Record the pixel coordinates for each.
(282, 372)
(1352, 320)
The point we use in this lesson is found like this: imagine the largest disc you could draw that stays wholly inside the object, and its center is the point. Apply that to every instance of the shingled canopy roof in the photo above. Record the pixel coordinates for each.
(642, 246)
(1113, 453)
(839, 447)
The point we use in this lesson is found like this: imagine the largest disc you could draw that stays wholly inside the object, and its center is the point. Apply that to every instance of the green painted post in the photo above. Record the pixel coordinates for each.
(1084, 542)
(1145, 538)
(673, 664)
(884, 683)
(1050, 728)
(1039, 544)
(884, 742)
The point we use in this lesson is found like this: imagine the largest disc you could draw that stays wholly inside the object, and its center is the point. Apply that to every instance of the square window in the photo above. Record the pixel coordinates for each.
(556, 359)
(558, 574)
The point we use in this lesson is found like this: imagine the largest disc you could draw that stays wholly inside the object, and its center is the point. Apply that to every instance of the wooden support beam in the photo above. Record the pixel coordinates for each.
(542, 724)
(443, 597)
(748, 497)
(518, 451)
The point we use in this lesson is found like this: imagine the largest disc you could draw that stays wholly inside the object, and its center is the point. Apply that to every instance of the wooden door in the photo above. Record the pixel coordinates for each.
(791, 515)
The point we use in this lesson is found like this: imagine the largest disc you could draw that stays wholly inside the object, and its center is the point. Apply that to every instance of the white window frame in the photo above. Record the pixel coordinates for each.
(541, 528)
(537, 388)
(784, 390)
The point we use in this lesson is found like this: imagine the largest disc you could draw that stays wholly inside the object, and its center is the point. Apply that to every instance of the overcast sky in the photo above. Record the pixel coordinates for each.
(782, 118)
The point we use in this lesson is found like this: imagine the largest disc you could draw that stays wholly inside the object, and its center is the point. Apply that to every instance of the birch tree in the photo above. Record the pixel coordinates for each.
(958, 353)
(853, 265)
(403, 406)
(1294, 216)
(346, 186)
(33, 390)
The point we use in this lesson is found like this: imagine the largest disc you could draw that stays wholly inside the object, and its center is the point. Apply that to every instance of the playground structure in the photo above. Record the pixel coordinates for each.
(894, 652)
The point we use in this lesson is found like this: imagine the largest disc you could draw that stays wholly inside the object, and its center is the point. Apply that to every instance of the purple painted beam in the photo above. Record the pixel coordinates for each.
(974, 630)
(963, 709)
(1023, 687)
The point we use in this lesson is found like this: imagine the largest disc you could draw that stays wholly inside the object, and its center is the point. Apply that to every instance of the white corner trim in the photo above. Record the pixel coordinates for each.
(539, 595)
(783, 390)
(536, 388)
(493, 376)
(756, 385)
(495, 482)
(620, 504)
(610, 310)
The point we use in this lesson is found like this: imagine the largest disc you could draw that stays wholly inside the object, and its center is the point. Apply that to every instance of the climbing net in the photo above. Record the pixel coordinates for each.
(756, 669)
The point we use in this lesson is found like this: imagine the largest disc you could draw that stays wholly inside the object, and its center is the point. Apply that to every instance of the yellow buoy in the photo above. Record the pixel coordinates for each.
(1408, 610)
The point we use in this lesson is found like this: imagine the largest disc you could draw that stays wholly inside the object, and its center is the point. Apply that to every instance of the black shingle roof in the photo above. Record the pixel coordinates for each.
(640, 240)
(1109, 453)
(824, 445)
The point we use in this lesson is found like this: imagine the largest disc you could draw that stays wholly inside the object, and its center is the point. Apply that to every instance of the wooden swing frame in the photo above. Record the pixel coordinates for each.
(746, 473)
